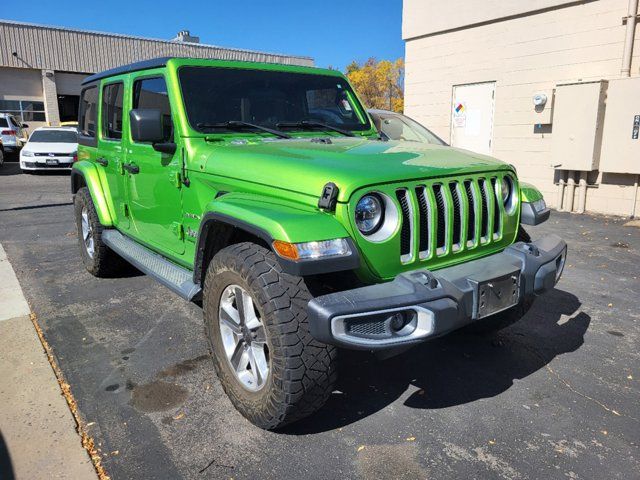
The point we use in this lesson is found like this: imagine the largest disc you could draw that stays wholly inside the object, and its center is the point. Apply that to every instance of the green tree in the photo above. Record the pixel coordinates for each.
(380, 84)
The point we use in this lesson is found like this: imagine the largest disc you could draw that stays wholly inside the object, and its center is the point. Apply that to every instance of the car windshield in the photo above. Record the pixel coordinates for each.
(400, 127)
(54, 136)
(278, 100)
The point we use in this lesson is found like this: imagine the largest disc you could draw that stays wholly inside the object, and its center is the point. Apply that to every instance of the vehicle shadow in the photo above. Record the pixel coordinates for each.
(6, 468)
(8, 168)
(456, 369)
(13, 168)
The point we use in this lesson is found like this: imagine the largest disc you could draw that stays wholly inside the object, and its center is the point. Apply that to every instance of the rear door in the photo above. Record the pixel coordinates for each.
(154, 194)
(472, 116)
(110, 156)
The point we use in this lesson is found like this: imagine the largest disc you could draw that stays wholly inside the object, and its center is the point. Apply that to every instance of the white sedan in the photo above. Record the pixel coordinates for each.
(50, 148)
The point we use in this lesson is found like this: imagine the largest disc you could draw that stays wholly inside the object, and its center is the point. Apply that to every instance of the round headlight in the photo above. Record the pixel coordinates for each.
(507, 187)
(369, 214)
(508, 194)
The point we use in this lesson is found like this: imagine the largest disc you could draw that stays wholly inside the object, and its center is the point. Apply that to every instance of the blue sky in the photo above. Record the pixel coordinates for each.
(333, 32)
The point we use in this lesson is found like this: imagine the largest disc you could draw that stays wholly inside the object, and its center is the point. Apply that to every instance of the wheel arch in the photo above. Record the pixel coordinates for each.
(218, 231)
(85, 174)
(235, 218)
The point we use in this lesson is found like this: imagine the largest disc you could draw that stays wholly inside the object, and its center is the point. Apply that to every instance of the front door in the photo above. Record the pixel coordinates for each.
(154, 194)
(472, 116)
(110, 155)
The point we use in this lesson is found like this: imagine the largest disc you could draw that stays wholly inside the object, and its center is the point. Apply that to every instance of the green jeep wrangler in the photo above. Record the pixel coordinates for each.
(264, 192)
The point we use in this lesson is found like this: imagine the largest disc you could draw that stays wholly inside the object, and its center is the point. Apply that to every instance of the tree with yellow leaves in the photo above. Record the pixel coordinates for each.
(379, 84)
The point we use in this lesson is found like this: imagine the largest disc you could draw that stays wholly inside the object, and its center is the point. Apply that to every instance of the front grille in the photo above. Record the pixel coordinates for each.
(451, 216)
(47, 154)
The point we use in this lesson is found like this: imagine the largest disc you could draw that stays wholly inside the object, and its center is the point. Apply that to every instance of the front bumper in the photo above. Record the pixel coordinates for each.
(434, 303)
(63, 164)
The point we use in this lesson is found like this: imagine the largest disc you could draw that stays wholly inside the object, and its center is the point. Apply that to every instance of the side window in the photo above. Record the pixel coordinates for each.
(152, 93)
(396, 129)
(112, 111)
(88, 107)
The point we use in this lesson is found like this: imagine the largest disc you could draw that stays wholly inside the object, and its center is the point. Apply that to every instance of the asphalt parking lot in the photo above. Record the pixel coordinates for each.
(554, 396)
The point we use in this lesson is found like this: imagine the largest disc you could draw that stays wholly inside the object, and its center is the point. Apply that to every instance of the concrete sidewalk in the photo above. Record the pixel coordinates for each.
(38, 437)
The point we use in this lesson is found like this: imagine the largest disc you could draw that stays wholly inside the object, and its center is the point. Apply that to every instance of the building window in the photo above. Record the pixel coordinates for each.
(68, 107)
(24, 110)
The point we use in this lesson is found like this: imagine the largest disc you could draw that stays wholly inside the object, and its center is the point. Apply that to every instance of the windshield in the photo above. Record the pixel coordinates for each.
(54, 136)
(400, 127)
(214, 96)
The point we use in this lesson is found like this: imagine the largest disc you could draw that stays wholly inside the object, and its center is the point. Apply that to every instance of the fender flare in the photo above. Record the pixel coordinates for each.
(85, 173)
(529, 193)
(229, 211)
(528, 213)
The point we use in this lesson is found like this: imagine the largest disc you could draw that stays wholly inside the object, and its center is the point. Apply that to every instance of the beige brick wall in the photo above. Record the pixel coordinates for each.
(523, 55)
(50, 94)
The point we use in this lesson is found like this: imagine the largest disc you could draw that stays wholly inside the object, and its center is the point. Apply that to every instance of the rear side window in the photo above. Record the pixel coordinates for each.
(88, 110)
(152, 93)
(3, 122)
(112, 111)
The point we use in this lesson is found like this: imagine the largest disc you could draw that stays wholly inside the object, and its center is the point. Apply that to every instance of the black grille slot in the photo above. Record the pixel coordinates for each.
(423, 206)
(471, 212)
(405, 232)
(484, 229)
(496, 207)
(441, 210)
(457, 214)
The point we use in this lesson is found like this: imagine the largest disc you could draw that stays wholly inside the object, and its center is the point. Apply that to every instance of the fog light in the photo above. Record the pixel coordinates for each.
(398, 321)
(402, 323)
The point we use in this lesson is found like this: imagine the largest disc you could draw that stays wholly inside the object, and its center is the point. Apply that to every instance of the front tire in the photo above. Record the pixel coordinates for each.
(255, 316)
(98, 259)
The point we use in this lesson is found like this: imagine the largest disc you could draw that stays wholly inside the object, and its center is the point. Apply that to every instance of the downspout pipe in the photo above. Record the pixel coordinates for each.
(582, 192)
(560, 197)
(632, 14)
(571, 189)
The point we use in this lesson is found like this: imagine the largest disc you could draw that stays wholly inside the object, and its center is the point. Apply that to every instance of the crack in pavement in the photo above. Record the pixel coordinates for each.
(587, 397)
(570, 387)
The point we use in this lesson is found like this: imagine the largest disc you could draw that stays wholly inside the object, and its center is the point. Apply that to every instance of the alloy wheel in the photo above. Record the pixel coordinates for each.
(243, 337)
(87, 232)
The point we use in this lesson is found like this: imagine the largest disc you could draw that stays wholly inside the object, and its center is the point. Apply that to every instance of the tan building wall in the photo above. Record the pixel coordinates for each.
(526, 48)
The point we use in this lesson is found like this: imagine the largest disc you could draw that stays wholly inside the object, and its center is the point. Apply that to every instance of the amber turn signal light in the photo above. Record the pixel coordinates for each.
(286, 249)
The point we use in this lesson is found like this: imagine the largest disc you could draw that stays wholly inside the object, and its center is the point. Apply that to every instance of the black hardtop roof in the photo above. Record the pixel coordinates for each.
(131, 67)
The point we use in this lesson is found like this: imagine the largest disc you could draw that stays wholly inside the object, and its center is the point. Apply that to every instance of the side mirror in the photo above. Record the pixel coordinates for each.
(24, 125)
(146, 125)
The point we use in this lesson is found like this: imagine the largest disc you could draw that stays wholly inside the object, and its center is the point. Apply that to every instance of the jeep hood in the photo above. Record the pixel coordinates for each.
(305, 166)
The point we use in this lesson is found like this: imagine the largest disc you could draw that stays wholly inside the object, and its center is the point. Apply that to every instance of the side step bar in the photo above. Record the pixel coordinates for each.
(172, 276)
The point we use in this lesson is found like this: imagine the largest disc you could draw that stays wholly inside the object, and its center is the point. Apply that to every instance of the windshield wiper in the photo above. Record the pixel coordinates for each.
(239, 125)
(309, 124)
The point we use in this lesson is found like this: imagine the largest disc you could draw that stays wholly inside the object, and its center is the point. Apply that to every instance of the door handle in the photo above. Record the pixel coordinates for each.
(102, 161)
(131, 168)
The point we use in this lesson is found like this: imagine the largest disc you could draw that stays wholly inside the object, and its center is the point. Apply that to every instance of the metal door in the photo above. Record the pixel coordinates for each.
(472, 116)
(155, 199)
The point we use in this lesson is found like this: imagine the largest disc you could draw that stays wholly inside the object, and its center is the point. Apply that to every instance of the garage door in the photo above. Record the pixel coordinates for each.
(472, 116)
